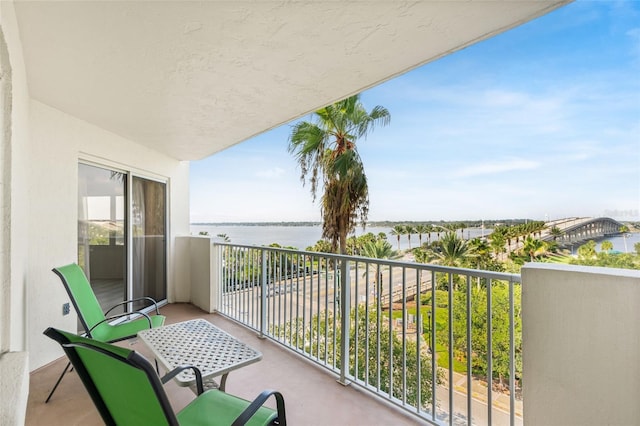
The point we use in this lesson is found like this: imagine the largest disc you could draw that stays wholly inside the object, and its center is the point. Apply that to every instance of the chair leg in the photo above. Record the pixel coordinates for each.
(223, 382)
(58, 382)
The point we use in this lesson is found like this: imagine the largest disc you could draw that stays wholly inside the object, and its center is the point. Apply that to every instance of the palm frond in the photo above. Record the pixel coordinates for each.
(326, 152)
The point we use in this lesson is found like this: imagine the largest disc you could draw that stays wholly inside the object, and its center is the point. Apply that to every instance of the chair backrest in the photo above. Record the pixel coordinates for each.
(122, 383)
(82, 296)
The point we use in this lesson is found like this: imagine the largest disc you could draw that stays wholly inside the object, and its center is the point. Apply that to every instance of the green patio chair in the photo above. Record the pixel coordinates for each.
(97, 325)
(126, 390)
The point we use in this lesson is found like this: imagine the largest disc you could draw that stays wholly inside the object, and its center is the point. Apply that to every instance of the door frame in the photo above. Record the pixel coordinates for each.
(131, 172)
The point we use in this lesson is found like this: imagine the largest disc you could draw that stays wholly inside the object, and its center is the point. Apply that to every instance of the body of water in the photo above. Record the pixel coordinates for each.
(621, 244)
(302, 237)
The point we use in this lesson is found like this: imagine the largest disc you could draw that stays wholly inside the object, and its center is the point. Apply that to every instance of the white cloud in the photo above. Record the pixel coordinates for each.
(271, 173)
(634, 35)
(490, 168)
(502, 98)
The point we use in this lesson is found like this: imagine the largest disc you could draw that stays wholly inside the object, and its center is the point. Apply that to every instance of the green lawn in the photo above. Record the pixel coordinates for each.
(442, 319)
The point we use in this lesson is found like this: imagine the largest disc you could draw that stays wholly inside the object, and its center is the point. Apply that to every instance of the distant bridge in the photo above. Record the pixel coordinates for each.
(579, 229)
(574, 230)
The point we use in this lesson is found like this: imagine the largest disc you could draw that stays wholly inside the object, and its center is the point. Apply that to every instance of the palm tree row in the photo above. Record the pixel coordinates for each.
(425, 229)
(453, 250)
(504, 236)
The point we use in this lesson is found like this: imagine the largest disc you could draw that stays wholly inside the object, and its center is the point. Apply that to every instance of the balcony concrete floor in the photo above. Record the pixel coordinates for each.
(312, 394)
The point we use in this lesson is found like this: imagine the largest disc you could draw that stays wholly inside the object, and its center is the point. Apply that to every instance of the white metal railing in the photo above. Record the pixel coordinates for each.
(450, 353)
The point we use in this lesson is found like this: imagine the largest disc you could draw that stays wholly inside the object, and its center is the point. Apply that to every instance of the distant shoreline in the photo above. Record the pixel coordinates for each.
(384, 223)
(296, 234)
(257, 223)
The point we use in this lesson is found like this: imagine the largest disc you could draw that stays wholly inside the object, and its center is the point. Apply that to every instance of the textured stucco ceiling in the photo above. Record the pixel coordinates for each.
(192, 78)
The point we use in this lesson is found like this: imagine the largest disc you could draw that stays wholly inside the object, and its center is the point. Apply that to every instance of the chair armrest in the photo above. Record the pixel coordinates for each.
(257, 403)
(173, 373)
(149, 299)
(111, 318)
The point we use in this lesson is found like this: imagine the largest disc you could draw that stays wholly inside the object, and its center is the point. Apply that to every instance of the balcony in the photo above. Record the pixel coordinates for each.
(293, 300)
(312, 396)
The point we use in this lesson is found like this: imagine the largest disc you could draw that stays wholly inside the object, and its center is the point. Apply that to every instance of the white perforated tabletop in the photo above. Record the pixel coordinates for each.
(201, 344)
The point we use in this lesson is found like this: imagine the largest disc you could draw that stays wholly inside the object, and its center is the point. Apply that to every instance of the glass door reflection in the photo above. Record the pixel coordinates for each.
(102, 251)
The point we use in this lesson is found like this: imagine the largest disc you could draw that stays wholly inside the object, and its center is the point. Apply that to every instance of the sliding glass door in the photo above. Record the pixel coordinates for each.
(102, 232)
(149, 238)
(121, 235)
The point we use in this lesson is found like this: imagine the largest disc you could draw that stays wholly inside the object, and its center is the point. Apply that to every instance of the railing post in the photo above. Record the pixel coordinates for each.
(263, 294)
(345, 320)
(215, 278)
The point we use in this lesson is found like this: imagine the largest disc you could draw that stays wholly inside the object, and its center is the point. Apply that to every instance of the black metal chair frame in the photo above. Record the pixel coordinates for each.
(108, 318)
(138, 361)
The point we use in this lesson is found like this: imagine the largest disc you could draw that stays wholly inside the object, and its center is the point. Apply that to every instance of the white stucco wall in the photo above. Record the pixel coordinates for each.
(14, 171)
(581, 345)
(201, 261)
(57, 143)
(14, 379)
(5, 193)
(39, 217)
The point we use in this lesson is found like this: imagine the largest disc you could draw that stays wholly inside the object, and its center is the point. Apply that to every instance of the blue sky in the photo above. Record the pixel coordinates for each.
(540, 122)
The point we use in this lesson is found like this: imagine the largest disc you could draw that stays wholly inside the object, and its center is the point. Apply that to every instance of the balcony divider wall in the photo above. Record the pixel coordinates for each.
(581, 343)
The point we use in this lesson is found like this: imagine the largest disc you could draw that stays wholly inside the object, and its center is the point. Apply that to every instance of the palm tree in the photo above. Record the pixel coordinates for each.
(224, 237)
(454, 250)
(421, 230)
(398, 231)
(482, 251)
(409, 230)
(555, 232)
(430, 229)
(606, 246)
(534, 247)
(379, 249)
(498, 240)
(587, 250)
(423, 255)
(327, 154)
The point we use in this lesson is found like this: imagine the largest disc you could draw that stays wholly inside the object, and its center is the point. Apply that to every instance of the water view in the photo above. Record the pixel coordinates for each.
(302, 237)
